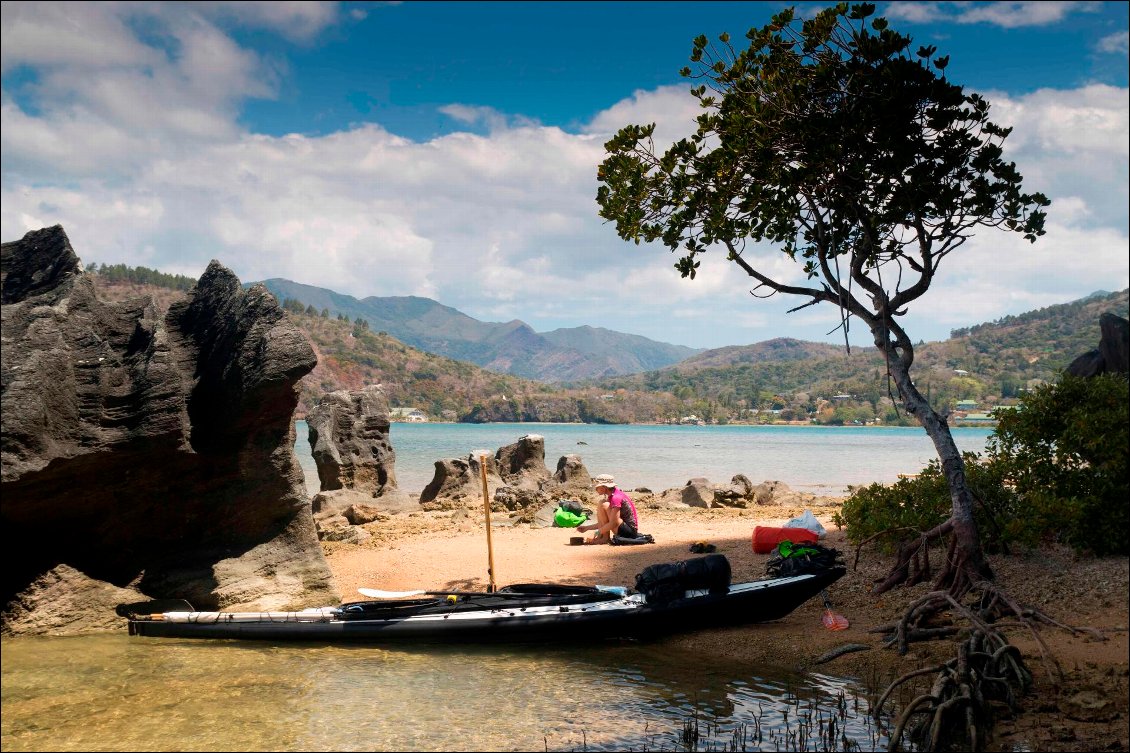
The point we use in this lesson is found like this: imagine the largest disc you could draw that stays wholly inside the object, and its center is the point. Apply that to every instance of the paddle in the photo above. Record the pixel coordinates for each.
(378, 594)
(832, 620)
(486, 504)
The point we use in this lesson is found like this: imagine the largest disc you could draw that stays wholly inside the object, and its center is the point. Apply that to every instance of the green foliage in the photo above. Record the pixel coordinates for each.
(142, 276)
(293, 306)
(1064, 450)
(1055, 470)
(923, 502)
(830, 140)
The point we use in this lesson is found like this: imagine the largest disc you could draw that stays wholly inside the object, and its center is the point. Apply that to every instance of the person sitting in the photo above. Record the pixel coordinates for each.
(615, 515)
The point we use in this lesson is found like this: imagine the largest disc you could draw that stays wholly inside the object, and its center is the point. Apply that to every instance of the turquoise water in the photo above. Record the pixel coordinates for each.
(817, 459)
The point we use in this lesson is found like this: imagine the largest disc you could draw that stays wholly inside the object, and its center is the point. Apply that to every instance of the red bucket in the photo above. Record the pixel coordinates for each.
(766, 538)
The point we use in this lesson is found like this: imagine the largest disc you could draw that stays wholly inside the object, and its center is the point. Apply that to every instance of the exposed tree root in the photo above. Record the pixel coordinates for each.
(988, 671)
(957, 712)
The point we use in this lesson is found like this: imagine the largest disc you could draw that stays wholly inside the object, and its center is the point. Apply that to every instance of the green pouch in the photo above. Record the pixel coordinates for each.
(562, 518)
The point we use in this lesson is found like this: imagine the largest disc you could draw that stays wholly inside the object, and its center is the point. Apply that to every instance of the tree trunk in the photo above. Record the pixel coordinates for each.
(967, 563)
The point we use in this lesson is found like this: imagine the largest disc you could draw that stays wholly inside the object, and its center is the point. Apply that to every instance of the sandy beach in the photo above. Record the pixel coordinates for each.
(442, 550)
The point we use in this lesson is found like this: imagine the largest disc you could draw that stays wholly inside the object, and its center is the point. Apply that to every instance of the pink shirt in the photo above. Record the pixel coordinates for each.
(622, 500)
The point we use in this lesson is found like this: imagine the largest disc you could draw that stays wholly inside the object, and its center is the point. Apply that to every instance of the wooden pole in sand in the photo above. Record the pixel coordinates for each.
(486, 506)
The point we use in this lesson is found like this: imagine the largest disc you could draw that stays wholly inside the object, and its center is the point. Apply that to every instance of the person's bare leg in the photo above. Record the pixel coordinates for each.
(601, 520)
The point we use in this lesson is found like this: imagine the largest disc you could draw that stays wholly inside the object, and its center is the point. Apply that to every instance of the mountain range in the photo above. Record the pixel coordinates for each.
(561, 355)
(989, 363)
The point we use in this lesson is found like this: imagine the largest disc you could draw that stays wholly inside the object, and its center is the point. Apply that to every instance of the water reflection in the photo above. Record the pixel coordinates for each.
(117, 693)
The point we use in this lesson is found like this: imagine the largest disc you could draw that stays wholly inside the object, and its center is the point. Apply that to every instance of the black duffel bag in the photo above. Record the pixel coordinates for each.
(666, 582)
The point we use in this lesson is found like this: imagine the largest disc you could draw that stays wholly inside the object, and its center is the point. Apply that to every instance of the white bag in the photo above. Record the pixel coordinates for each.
(808, 521)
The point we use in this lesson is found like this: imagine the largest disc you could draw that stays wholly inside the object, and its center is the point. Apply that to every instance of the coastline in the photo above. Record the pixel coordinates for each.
(445, 550)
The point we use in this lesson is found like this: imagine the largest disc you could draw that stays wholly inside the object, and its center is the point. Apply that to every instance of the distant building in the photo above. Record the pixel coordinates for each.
(410, 415)
(965, 405)
(961, 372)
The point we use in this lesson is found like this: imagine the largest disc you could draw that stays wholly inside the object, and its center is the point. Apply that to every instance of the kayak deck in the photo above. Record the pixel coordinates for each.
(505, 615)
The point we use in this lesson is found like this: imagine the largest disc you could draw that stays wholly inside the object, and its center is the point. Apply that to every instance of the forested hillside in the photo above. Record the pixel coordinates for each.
(989, 364)
(776, 380)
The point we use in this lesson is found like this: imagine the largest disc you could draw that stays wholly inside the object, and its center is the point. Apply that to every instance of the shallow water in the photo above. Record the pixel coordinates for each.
(121, 693)
(816, 459)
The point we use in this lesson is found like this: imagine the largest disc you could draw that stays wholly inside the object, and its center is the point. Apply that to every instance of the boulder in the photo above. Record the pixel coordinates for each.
(522, 464)
(457, 482)
(738, 493)
(516, 499)
(571, 475)
(349, 439)
(150, 443)
(63, 601)
(339, 528)
(339, 500)
(697, 492)
(766, 492)
(1113, 354)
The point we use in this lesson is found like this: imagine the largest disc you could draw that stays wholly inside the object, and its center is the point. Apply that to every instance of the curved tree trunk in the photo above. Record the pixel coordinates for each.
(966, 561)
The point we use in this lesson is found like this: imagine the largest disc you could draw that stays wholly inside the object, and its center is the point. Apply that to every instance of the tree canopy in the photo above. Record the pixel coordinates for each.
(833, 142)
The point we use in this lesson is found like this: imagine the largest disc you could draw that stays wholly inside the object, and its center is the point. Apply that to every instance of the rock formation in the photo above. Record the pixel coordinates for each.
(349, 437)
(522, 464)
(148, 449)
(1113, 354)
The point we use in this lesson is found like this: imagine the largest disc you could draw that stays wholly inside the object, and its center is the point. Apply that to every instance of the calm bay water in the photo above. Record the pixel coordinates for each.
(116, 693)
(818, 459)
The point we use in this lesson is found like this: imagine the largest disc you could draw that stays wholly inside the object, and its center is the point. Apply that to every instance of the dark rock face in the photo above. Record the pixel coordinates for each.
(522, 464)
(349, 434)
(156, 451)
(1113, 354)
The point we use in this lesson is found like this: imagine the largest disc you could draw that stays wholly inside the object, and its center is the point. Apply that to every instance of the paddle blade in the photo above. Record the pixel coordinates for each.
(835, 621)
(374, 593)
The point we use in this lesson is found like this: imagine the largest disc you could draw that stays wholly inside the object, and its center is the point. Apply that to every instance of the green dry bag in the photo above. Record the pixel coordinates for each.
(563, 518)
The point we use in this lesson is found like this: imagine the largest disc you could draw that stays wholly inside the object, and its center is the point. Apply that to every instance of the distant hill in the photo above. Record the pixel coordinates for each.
(563, 355)
(779, 379)
(990, 362)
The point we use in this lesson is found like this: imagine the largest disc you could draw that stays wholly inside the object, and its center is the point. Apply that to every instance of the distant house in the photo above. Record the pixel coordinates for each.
(961, 372)
(978, 418)
(965, 405)
(410, 415)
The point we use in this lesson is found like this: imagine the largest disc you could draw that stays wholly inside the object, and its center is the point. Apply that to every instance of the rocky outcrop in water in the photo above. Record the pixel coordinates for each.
(153, 449)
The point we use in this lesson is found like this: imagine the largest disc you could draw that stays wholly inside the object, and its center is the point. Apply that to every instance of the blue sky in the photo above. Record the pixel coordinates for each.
(449, 150)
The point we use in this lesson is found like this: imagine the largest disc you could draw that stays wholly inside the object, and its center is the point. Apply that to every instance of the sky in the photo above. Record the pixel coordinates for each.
(449, 150)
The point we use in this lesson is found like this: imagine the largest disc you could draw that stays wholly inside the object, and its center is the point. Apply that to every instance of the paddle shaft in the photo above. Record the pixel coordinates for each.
(486, 505)
(377, 594)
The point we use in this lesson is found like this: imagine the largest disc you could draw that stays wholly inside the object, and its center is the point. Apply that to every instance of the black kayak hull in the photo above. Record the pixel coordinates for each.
(497, 619)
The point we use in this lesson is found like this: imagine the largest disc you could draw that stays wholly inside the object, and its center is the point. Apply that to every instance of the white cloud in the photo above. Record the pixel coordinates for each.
(671, 108)
(54, 34)
(1008, 15)
(1117, 43)
(298, 21)
(137, 152)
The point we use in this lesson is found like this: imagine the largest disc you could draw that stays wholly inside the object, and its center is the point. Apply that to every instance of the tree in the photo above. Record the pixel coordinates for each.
(863, 164)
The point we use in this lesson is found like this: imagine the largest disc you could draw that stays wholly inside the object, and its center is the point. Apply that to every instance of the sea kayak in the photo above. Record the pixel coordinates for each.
(518, 613)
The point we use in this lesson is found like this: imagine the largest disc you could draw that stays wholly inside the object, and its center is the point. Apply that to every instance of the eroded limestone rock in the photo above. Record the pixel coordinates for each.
(149, 443)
